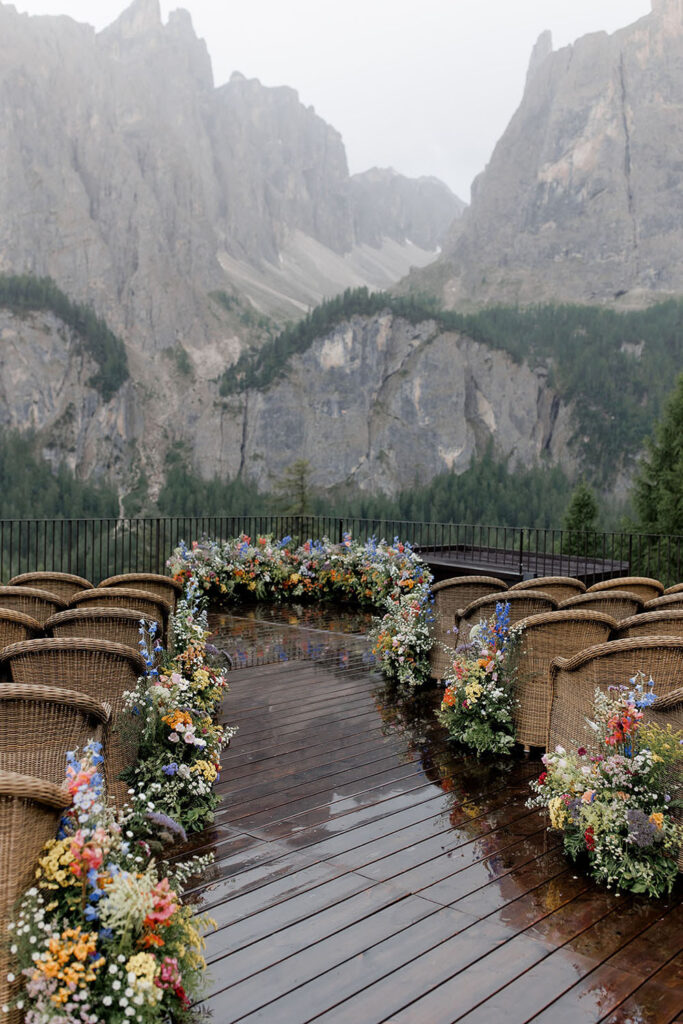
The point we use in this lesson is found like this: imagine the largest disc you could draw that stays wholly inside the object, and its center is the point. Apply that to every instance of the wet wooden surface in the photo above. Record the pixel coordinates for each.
(366, 872)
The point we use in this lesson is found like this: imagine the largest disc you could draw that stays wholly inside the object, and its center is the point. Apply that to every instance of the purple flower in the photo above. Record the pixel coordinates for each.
(170, 769)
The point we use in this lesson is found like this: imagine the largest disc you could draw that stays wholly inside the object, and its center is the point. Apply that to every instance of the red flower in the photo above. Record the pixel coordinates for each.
(542, 777)
(589, 836)
(581, 751)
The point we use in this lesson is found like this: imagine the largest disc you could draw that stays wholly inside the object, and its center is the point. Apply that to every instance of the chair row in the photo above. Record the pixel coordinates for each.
(461, 602)
(99, 622)
(62, 692)
(66, 587)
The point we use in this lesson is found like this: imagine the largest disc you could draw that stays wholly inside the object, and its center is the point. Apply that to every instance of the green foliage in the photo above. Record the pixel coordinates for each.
(24, 293)
(293, 489)
(488, 492)
(185, 493)
(30, 490)
(580, 522)
(658, 487)
(181, 359)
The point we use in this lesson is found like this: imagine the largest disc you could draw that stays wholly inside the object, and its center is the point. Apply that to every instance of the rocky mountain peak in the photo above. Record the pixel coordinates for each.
(669, 12)
(142, 17)
(542, 49)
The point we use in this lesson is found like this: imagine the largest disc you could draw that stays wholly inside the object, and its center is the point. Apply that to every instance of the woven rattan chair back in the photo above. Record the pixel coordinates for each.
(38, 724)
(38, 604)
(98, 668)
(677, 588)
(161, 586)
(642, 586)
(16, 626)
(574, 681)
(522, 605)
(666, 622)
(449, 596)
(667, 602)
(618, 604)
(545, 637)
(559, 587)
(145, 602)
(668, 712)
(119, 625)
(30, 810)
(64, 584)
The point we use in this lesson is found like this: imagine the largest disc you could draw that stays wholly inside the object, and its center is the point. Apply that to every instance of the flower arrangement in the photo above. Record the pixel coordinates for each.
(478, 702)
(401, 640)
(103, 935)
(173, 712)
(390, 578)
(612, 803)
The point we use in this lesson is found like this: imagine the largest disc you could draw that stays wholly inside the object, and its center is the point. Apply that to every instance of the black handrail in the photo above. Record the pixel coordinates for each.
(97, 548)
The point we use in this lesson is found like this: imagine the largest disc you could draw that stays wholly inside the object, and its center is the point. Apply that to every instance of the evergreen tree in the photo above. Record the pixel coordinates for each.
(293, 489)
(658, 487)
(580, 521)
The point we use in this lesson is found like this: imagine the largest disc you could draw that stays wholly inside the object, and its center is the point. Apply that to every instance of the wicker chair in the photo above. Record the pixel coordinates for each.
(667, 602)
(559, 587)
(658, 623)
(548, 636)
(142, 601)
(119, 625)
(38, 724)
(676, 589)
(30, 810)
(98, 668)
(618, 604)
(449, 596)
(643, 586)
(668, 711)
(16, 626)
(522, 605)
(38, 604)
(63, 584)
(574, 681)
(162, 586)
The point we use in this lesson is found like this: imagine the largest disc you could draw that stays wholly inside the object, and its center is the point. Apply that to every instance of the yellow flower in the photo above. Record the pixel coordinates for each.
(142, 969)
(206, 769)
(53, 866)
(558, 812)
(657, 818)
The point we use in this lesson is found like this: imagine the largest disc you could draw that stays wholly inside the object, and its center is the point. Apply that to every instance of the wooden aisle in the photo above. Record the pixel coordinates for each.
(365, 874)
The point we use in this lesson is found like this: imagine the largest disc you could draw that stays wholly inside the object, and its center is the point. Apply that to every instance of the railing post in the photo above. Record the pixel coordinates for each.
(521, 552)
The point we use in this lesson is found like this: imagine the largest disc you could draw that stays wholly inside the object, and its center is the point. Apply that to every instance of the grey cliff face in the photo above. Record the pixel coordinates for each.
(582, 198)
(140, 188)
(380, 400)
(375, 402)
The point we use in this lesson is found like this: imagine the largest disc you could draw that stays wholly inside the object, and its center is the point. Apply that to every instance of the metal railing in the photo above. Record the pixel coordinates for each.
(97, 548)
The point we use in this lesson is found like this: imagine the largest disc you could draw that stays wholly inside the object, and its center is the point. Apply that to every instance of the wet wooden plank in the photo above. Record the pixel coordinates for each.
(367, 872)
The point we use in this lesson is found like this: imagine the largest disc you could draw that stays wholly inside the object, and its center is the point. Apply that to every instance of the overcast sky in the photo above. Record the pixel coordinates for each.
(424, 86)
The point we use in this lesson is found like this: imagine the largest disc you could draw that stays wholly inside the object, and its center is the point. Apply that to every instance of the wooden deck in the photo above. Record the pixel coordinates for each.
(364, 873)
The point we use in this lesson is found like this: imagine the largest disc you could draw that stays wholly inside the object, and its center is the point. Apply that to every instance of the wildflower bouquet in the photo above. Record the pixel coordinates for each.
(614, 804)
(102, 935)
(368, 574)
(401, 640)
(478, 702)
(174, 709)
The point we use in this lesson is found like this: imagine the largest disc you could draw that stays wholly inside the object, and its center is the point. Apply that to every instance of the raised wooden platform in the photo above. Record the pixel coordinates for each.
(364, 873)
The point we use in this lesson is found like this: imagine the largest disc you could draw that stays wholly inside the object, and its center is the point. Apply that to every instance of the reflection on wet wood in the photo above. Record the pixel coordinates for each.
(368, 872)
